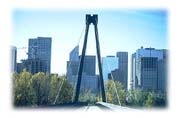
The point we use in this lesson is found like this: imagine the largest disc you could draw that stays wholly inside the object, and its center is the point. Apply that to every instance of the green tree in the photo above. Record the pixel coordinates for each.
(149, 101)
(136, 97)
(64, 91)
(40, 84)
(54, 85)
(108, 97)
(115, 93)
(23, 91)
(88, 96)
(40, 89)
(160, 100)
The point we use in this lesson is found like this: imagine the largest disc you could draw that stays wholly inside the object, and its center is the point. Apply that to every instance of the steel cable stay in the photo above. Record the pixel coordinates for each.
(113, 81)
(117, 95)
(61, 84)
(76, 77)
(75, 83)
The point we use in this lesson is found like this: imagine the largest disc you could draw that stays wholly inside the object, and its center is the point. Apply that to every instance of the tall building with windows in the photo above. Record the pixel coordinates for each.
(73, 63)
(133, 81)
(149, 69)
(123, 68)
(147, 73)
(39, 49)
(13, 58)
(120, 73)
(89, 67)
(32, 65)
(109, 64)
(39, 56)
(74, 54)
(89, 77)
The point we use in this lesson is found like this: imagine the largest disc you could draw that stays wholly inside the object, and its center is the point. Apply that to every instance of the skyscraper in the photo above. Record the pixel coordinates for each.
(74, 54)
(89, 77)
(13, 58)
(32, 65)
(89, 67)
(123, 68)
(120, 73)
(73, 63)
(109, 63)
(147, 73)
(40, 49)
(133, 81)
(149, 69)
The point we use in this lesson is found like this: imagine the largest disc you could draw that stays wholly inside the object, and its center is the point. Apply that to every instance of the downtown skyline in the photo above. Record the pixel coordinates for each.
(119, 30)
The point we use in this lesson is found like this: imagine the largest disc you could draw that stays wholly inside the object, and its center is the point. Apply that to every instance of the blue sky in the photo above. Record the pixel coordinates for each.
(119, 30)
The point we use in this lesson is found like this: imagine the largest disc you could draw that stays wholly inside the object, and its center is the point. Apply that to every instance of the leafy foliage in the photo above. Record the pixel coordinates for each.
(40, 84)
(140, 98)
(88, 96)
(149, 101)
(136, 97)
(40, 89)
(24, 95)
(115, 93)
(66, 92)
(133, 98)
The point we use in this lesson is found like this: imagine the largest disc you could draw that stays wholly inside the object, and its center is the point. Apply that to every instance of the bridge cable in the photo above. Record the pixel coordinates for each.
(61, 84)
(75, 83)
(117, 95)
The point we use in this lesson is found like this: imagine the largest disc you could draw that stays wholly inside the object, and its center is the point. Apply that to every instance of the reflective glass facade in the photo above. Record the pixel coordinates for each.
(40, 48)
(149, 69)
(109, 64)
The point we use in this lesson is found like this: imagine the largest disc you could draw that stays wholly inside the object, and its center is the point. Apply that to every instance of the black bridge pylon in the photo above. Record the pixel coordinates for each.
(94, 20)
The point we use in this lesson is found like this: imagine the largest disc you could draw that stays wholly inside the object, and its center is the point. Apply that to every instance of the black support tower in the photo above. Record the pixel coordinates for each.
(94, 20)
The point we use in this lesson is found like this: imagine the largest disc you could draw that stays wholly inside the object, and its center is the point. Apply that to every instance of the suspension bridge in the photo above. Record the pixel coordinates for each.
(85, 106)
